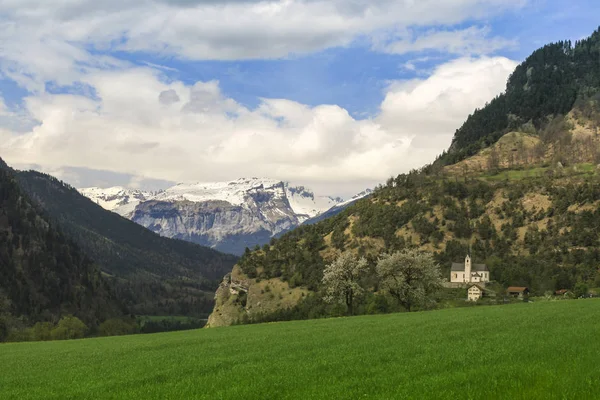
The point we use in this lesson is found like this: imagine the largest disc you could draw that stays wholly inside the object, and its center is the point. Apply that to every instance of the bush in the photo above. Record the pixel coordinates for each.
(117, 327)
(69, 327)
(42, 331)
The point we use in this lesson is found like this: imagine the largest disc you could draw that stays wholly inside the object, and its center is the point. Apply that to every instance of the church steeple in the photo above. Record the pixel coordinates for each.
(468, 268)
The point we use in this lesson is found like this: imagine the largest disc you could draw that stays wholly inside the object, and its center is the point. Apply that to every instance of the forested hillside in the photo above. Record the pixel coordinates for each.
(519, 188)
(536, 231)
(43, 275)
(151, 274)
(549, 83)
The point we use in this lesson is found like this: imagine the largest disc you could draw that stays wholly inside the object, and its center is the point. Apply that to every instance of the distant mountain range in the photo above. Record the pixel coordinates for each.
(227, 216)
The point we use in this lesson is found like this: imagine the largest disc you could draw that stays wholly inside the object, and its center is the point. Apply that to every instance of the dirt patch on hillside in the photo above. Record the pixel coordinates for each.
(536, 201)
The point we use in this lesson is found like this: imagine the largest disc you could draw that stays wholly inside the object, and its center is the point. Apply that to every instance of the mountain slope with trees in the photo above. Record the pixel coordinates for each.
(548, 84)
(153, 275)
(519, 189)
(44, 275)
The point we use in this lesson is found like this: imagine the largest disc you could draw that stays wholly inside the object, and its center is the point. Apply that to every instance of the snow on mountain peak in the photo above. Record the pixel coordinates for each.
(118, 199)
(233, 192)
(303, 202)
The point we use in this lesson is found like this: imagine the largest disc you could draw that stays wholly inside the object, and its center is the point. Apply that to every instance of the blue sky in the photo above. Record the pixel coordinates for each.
(362, 65)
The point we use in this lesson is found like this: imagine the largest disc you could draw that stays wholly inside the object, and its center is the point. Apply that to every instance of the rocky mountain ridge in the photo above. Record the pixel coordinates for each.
(228, 216)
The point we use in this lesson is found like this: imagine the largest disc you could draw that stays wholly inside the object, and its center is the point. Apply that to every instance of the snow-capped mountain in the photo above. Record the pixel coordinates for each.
(228, 216)
(305, 204)
(338, 208)
(117, 199)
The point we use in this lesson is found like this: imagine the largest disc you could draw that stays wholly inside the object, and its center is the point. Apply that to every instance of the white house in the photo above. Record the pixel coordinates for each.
(468, 273)
(474, 293)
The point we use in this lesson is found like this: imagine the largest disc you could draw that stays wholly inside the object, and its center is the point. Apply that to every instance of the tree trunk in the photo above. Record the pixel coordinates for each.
(349, 302)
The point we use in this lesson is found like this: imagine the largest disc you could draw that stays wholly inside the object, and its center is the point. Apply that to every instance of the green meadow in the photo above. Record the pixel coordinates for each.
(540, 350)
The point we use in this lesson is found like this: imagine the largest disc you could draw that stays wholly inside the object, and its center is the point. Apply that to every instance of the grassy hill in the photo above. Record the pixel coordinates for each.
(151, 274)
(542, 350)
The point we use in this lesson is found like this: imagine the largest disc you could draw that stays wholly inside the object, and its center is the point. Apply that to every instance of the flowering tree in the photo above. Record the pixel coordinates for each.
(410, 276)
(342, 279)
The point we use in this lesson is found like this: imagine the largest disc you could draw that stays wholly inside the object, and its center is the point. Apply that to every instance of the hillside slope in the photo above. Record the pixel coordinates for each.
(43, 275)
(549, 84)
(156, 275)
(537, 231)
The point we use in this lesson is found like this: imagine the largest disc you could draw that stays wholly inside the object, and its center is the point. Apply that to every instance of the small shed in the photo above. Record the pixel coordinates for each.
(518, 291)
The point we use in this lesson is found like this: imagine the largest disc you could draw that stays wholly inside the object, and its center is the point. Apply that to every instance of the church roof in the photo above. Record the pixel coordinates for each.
(474, 267)
(458, 267)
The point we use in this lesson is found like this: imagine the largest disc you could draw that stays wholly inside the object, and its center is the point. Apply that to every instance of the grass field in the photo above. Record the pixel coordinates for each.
(542, 350)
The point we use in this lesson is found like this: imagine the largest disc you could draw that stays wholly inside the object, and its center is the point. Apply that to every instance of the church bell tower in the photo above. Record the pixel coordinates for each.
(468, 268)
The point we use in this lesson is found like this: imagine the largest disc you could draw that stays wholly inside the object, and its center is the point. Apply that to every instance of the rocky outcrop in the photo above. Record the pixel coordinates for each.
(239, 299)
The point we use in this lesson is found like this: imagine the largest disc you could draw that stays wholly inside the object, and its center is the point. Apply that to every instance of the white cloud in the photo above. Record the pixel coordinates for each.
(57, 34)
(432, 109)
(133, 120)
(207, 136)
(468, 41)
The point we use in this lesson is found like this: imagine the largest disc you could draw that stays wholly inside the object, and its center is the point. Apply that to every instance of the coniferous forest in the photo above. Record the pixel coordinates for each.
(152, 275)
(44, 275)
(547, 83)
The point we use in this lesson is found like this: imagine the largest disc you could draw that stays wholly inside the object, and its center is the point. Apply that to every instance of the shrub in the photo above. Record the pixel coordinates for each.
(42, 331)
(69, 327)
(116, 327)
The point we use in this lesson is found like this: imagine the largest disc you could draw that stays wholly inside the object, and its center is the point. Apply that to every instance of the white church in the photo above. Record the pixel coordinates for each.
(467, 273)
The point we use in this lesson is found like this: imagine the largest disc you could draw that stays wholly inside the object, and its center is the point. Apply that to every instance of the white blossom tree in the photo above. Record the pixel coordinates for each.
(342, 280)
(410, 276)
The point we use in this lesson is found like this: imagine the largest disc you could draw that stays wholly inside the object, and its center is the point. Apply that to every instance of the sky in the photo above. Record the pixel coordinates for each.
(337, 95)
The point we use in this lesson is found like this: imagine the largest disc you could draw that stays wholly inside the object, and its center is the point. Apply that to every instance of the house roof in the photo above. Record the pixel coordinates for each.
(474, 267)
(517, 289)
(477, 286)
(483, 289)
